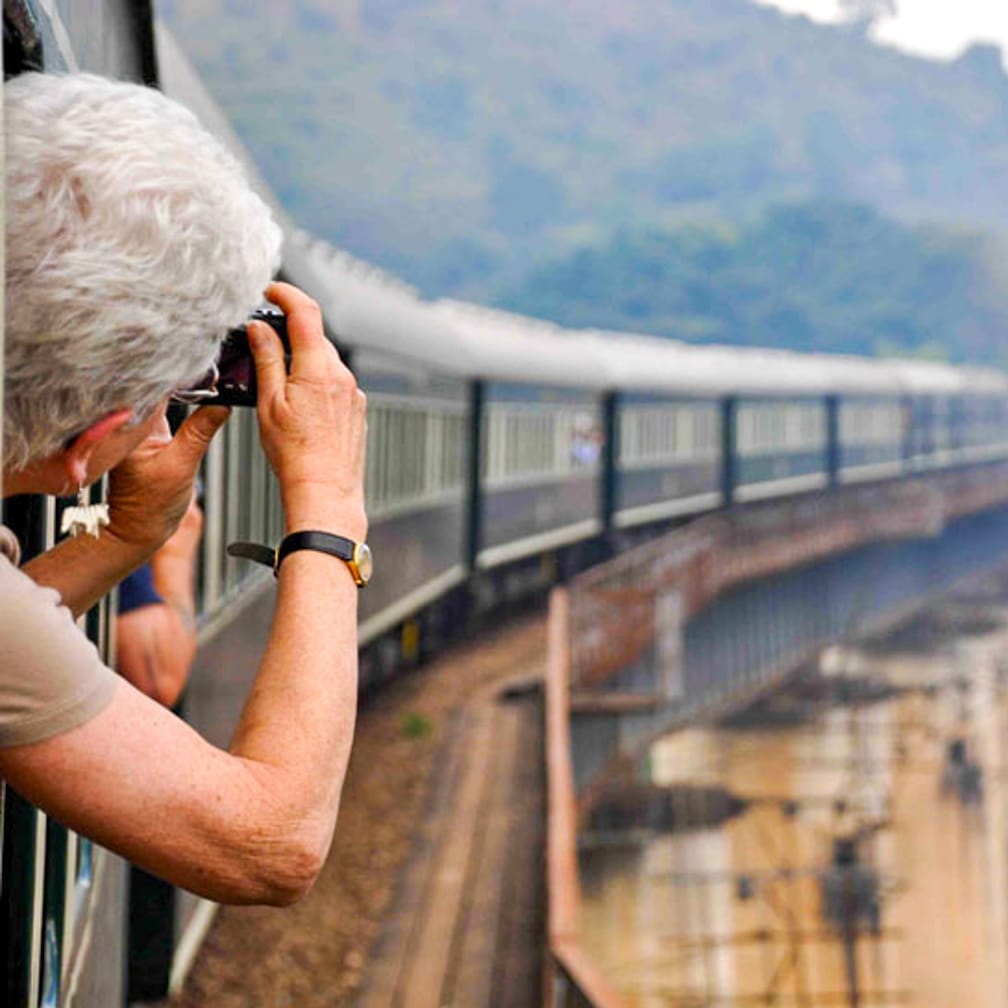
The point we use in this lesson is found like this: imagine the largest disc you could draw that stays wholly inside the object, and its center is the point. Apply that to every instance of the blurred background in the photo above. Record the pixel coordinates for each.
(810, 174)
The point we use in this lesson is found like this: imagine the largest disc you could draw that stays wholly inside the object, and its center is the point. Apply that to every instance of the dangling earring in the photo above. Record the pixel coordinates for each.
(84, 517)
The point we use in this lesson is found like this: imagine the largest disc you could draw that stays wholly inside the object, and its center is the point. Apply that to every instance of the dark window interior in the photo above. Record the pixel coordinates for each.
(22, 42)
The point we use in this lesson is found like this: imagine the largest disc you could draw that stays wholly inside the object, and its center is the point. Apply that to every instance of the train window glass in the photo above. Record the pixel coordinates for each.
(22, 41)
(745, 430)
(777, 422)
(708, 431)
(212, 551)
(257, 483)
(415, 453)
(792, 427)
(532, 440)
(433, 456)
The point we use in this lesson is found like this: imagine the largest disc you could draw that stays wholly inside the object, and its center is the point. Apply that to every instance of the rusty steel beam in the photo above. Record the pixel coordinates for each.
(571, 978)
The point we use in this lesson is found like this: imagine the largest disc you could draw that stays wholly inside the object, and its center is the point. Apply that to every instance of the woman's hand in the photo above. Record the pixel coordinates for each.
(312, 422)
(150, 490)
(185, 540)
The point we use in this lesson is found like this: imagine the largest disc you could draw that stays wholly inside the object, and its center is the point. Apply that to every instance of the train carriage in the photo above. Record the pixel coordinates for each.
(541, 429)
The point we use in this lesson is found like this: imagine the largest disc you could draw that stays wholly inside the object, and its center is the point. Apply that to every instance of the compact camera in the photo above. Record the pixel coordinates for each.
(236, 376)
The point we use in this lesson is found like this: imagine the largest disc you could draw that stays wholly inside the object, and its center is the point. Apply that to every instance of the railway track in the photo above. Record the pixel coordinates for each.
(432, 893)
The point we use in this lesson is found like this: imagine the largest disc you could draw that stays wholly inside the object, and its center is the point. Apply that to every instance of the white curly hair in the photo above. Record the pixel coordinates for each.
(133, 243)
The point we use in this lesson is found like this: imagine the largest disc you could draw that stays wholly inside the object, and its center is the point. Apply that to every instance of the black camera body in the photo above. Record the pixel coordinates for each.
(236, 382)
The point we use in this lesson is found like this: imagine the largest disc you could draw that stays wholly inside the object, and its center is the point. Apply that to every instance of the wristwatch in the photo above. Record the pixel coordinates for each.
(356, 555)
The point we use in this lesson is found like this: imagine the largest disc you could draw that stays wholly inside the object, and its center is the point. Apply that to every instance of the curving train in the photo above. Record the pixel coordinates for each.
(503, 454)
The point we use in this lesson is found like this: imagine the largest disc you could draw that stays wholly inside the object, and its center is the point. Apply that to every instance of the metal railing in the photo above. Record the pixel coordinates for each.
(572, 980)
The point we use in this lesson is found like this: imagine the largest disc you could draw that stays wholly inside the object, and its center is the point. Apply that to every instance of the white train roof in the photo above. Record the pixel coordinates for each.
(983, 381)
(515, 348)
(369, 309)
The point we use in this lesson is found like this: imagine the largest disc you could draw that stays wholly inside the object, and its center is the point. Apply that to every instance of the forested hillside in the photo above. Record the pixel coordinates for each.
(809, 276)
(464, 143)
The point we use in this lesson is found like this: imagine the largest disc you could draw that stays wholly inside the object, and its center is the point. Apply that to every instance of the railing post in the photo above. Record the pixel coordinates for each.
(474, 503)
(569, 972)
(610, 455)
(729, 450)
(832, 403)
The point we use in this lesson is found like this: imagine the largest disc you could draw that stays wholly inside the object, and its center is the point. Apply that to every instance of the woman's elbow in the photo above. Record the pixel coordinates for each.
(285, 871)
(294, 877)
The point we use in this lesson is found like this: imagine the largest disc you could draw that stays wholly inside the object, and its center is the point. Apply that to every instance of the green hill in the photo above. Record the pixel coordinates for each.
(458, 143)
(810, 276)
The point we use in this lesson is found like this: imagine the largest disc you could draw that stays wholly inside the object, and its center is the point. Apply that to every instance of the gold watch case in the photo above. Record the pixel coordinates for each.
(361, 564)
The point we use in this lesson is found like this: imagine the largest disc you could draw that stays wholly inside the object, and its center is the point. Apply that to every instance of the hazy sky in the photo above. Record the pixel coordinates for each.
(930, 27)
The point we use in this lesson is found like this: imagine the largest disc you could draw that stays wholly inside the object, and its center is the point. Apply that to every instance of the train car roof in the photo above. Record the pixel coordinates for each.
(936, 378)
(986, 381)
(648, 363)
(515, 348)
(921, 377)
(370, 309)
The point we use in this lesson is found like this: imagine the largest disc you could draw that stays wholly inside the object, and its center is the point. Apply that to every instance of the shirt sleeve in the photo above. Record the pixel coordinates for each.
(51, 676)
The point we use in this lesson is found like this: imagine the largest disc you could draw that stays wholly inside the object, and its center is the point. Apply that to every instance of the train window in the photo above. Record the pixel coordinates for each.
(415, 453)
(870, 422)
(529, 441)
(22, 40)
(772, 427)
(667, 434)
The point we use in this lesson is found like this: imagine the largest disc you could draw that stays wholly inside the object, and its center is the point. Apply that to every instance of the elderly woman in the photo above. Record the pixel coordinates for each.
(133, 244)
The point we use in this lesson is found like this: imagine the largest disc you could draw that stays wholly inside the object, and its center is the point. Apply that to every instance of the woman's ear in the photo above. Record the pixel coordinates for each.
(77, 454)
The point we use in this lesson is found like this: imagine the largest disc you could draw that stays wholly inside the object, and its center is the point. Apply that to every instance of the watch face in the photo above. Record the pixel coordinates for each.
(363, 561)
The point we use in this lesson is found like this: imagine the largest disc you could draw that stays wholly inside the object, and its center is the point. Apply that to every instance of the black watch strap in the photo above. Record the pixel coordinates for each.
(322, 542)
(253, 551)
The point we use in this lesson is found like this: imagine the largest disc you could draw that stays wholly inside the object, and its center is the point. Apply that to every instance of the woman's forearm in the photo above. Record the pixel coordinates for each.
(84, 569)
(299, 717)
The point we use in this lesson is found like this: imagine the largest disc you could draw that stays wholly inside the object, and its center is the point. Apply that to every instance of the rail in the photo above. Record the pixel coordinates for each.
(571, 980)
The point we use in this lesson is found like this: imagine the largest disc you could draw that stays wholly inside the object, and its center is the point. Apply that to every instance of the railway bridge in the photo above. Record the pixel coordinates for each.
(704, 620)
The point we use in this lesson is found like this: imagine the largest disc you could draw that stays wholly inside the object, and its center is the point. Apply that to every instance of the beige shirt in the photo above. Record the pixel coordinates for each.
(51, 677)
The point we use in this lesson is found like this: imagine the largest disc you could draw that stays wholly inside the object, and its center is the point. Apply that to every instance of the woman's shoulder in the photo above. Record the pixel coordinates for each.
(51, 676)
(19, 594)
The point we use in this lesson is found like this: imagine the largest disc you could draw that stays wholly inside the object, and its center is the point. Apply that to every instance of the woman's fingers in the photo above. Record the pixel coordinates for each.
(268, 357)
(311, 352)
(312, 421)
(195, 434)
